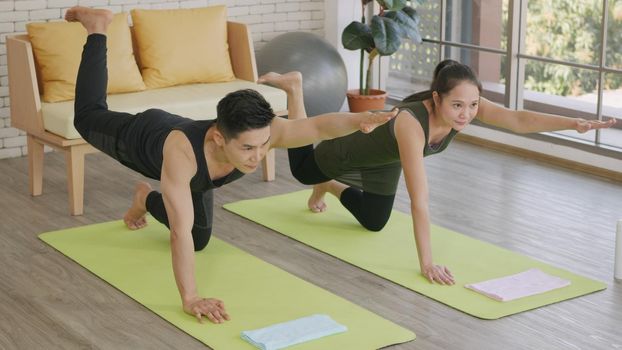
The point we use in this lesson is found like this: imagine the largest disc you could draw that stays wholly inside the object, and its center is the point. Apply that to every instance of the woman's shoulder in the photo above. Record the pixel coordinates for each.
(409, 104)
(407, 121)
(417, 110)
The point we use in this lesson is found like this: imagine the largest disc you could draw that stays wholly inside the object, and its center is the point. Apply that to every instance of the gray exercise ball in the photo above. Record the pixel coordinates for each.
(324, 75)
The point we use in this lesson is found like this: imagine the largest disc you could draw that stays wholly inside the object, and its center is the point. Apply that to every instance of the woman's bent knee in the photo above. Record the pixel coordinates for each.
(305, 180)
(200, 238)
(375, 225)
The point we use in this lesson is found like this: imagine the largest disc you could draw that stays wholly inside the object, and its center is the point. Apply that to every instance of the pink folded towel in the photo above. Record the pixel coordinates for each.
(521, 285)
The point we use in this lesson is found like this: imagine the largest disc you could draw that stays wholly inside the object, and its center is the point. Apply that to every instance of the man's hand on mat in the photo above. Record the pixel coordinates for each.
(211, 308)
(373, 119)
(437, 273)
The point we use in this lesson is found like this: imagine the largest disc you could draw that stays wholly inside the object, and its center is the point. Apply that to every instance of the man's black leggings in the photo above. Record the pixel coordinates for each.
(105, 130)
(371, 210)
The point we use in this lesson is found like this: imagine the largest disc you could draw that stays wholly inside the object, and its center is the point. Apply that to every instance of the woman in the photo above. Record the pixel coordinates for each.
(363, 170)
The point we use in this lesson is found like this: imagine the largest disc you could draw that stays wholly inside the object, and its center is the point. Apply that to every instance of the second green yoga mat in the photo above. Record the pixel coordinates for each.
(391, 253)
(256, 294)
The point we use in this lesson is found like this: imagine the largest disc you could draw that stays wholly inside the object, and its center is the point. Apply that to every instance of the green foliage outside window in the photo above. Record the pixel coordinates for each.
(570, 30)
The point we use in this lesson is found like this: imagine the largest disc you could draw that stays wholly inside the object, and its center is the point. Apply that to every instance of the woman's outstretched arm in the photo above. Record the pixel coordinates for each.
(527, 121)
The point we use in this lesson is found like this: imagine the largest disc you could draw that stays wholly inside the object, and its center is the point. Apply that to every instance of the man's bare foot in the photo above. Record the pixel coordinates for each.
(94, 20)
(134, 218)
(287, 82)
(316, 200)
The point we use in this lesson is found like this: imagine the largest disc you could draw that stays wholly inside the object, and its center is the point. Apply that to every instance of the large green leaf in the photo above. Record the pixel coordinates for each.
(405, 23)
(394, 5)
(387, 35)
(412, 13)
(357, 36)
(414, 35)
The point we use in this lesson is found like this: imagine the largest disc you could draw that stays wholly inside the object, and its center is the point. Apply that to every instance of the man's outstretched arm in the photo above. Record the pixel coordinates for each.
(298, 130)
(301, 132)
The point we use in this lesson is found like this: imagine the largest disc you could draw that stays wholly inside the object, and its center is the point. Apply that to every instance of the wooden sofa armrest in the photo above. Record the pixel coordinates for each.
(242, 55)
(23, 86)
(241, 51)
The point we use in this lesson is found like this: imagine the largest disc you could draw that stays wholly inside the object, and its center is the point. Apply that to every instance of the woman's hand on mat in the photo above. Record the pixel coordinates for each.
(583, 125)
(211, 308)
(437, 274)
(373, 119)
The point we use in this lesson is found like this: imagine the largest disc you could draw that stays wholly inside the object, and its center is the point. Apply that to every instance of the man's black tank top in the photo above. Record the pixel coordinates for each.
(142, 146)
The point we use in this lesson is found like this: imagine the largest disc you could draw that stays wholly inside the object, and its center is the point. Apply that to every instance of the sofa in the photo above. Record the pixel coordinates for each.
(49, 120)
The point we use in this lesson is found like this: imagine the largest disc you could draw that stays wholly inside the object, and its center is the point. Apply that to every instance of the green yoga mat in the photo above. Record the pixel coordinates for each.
(391, 253)
(256, 294)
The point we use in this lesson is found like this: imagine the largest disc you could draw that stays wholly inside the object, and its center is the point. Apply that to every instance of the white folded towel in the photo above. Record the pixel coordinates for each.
(281, 335)
(521, 285)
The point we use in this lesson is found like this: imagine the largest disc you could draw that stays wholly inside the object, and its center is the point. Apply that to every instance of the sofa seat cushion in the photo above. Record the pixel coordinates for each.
(196, 101)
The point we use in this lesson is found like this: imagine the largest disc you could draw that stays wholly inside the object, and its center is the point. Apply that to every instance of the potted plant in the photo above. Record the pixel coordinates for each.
(382, 36)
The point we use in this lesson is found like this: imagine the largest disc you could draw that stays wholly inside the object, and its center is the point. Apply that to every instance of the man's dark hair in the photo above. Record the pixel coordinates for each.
(241, 111)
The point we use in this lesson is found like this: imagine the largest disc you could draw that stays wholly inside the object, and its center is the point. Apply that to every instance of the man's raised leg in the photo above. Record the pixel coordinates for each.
(95, 21)
(92, 80)
(96, 124)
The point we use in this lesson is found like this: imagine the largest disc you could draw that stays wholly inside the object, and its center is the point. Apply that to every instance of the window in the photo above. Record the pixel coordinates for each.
(562, 57)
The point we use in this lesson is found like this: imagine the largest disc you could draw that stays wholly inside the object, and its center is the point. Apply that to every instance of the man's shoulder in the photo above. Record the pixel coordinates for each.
(279, 127)
(177, 143)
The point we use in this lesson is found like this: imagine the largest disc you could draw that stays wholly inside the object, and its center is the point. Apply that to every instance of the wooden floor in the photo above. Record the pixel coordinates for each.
(551, 214)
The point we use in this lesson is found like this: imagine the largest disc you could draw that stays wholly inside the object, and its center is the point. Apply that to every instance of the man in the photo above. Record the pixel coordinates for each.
(177, 150)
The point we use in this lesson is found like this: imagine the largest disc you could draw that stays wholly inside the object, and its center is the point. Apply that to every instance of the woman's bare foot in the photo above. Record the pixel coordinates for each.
(316, 200)
(134, 218)
(94, 20)
(287, 82)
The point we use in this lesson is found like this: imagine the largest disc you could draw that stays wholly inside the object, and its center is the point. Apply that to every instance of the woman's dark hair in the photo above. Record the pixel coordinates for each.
(241, 111)
(447, 75)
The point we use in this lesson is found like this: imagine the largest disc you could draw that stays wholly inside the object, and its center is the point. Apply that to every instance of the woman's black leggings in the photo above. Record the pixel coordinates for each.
(103, 128)
(371, 210)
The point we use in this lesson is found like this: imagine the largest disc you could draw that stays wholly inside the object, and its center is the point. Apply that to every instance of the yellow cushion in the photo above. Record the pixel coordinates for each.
(57, 49)
(182, 46)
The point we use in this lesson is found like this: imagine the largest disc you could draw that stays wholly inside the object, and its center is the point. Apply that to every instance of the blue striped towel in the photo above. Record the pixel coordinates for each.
(282, 335)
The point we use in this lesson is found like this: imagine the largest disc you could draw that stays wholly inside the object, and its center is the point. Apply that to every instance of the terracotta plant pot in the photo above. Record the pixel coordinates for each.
(361, 103)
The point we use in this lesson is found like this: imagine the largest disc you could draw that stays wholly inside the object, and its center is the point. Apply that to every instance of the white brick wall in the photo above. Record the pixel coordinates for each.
(61, 3)
(266, 18)
(7, 5)
(30, 5)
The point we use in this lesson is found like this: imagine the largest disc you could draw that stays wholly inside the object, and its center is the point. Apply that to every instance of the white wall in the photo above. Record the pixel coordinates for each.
(266, 18)
(338, 15)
